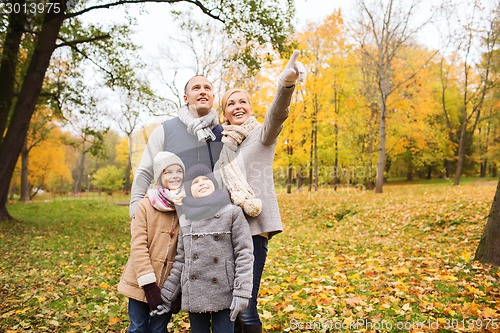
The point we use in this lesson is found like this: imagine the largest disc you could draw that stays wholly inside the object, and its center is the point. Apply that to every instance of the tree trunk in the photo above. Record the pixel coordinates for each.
(311, 158)
(429, 172)
(488, 251)
(484, 168)
(289, 179)
(79, 174)
(461, 153)
(12, 143)
(128, 169)
(382, 150)
(371, 136)
(316, 167)
(409, 174)
(25, 185)
(8, 65)
(300, 177)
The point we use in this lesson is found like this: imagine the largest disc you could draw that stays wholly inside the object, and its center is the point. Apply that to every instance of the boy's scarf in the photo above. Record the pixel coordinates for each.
(201, 127)
(204, 208)
(241, 192)
(161, 198)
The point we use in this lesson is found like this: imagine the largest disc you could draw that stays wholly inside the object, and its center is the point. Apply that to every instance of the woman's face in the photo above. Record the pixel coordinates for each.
(201, 187)
(238, 108)
(172, 177)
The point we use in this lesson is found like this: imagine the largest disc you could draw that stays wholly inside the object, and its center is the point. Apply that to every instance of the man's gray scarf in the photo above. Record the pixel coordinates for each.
(201, 126)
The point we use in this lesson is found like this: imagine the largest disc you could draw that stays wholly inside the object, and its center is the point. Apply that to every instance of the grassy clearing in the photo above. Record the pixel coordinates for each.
(351, 261)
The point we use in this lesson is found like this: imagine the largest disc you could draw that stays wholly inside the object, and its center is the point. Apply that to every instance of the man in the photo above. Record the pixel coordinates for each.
(194, 136)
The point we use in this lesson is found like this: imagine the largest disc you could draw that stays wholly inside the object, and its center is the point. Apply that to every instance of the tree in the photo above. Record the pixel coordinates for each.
(261, 23)
(488, 250)
(480, 33)
(384, 28)
(136, 99)
(48, 169)
(109, 178)
(324, 50)
(216, 59)
(39, 130)
(417, 139)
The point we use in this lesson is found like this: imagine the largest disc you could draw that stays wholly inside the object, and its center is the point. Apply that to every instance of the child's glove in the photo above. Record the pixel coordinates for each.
(177, 199)
(293, 71)
(161, 309)
(237, 305)
(153, 295)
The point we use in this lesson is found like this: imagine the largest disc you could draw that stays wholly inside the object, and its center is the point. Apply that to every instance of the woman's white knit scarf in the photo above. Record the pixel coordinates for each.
(201, 126)
(241, 192)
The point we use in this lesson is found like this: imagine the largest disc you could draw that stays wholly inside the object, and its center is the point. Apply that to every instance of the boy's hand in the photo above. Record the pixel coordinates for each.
(238, 304)
(161, 309)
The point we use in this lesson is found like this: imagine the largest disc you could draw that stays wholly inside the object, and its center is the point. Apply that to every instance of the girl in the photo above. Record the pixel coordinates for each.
(154, 230)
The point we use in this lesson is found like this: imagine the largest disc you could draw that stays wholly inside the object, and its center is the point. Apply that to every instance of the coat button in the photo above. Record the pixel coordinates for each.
(216, 260)
(216, 237)
(195, 256)
(216, 216)
(214, 280)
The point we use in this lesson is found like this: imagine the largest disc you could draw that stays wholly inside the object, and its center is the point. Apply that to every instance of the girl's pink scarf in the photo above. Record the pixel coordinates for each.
(162, 198)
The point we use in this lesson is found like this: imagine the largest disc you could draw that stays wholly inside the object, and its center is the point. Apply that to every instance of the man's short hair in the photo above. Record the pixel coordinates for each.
(185, 87)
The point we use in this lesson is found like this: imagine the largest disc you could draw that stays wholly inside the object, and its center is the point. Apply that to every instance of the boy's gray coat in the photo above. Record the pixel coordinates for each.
(214, 262)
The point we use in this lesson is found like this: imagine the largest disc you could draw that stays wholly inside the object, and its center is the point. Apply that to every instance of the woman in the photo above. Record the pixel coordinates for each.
(245, 166)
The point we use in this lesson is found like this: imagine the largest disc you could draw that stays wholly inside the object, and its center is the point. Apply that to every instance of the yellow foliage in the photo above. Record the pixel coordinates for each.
(47, 163)
(122, 152)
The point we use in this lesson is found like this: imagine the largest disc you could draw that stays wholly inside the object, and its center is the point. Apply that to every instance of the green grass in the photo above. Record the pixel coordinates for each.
(443, 181)
(404, 256)
(60, 264)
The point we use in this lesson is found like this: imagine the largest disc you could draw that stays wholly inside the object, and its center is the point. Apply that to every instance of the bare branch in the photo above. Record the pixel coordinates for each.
(81, 41)
(197, 3)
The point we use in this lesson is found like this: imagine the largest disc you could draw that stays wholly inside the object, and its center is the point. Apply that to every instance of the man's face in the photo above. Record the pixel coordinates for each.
(199, 95)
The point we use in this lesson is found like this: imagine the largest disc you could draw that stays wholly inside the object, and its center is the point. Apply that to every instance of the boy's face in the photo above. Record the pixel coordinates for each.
(201, 187)
(172, 177)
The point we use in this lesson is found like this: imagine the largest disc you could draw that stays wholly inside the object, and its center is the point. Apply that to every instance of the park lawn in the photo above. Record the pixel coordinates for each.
(349, 260)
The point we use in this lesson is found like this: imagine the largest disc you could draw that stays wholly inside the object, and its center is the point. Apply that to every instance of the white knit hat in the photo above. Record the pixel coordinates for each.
(163, 160)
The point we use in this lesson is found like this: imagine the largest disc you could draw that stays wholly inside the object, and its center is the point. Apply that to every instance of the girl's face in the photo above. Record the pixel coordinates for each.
(238, 108)
(201, 187)
(172, 177)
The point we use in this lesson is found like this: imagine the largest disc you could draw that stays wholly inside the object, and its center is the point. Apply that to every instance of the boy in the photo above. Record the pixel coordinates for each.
(214, 259)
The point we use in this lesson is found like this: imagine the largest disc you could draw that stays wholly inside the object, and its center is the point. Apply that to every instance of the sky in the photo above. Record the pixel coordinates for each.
(155, 28)
(153, 24)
